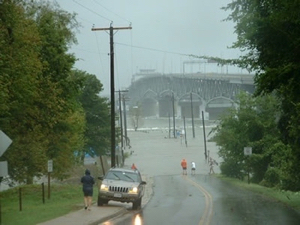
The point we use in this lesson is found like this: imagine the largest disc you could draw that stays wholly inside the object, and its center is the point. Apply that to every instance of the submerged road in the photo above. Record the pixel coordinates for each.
(199, 199)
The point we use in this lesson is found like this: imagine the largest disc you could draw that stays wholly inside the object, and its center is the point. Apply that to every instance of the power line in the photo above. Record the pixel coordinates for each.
(93, 52)
(93, 11)
(112, 11)
(153, 49)
(84, 20)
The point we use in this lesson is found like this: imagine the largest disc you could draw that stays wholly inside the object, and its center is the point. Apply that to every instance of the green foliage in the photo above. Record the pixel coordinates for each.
(268, 32)
(258, 164)
(232, 168)
(19, 71)
(97, 115)
(272, 177)
(252, 123)
(39, 108)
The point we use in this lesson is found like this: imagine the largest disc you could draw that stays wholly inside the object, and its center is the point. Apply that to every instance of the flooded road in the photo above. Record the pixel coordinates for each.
(193, 199)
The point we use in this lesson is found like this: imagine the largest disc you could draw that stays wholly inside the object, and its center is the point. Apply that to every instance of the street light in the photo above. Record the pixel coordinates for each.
(135, 117)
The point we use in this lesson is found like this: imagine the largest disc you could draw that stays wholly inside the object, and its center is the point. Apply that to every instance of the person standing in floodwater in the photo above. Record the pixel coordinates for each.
(193, 168)
(184, 167)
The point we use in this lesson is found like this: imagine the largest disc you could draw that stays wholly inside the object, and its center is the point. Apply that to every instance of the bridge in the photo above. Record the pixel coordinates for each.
(186, 94)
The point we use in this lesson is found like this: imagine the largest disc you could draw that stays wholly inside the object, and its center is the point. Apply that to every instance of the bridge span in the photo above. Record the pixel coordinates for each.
(159, 95)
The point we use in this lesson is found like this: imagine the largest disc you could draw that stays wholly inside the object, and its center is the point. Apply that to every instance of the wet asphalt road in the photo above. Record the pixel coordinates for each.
(199, 199)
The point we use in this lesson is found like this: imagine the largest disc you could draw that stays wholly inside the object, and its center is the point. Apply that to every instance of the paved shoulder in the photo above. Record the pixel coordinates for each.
(148, 189)
(86, 217)
(99, 214)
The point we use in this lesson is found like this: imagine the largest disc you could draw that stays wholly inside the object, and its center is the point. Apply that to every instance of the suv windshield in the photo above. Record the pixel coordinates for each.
(120, 175)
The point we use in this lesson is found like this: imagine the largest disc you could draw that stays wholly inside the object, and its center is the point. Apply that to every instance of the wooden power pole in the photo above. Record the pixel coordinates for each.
(112, 88)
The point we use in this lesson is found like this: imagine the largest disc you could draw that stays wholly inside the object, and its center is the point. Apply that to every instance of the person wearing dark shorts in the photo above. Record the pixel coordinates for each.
(87, 187)
(184, 166)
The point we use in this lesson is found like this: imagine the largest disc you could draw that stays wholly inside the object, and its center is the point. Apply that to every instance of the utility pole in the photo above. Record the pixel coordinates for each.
(169, 125)
(125, 121)
(184, 131)
(192, 111)
(112, 88)
(121, 124)
(173, 109)
(204, 135)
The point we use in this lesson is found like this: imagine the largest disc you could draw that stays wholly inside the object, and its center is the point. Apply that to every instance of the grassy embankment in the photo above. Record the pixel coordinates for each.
(290, 199)
(65, 197)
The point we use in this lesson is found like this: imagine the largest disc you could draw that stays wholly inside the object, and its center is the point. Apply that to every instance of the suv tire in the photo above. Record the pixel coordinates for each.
(137, 204)
(101, 201)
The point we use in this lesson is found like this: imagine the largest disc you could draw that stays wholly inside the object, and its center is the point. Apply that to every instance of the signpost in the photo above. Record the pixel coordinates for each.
(5, 142)
(247, 153)
(50, 170)
(3, 169)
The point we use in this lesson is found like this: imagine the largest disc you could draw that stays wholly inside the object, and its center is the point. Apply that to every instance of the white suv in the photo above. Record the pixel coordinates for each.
(122, 185)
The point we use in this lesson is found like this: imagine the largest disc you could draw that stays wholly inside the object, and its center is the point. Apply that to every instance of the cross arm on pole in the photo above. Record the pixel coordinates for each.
(114, 28)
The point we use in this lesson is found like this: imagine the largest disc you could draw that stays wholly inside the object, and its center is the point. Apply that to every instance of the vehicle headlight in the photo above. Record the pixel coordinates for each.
(133, 190)
(104, 187)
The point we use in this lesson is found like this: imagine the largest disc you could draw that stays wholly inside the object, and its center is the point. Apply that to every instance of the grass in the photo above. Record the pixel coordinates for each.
(64, 198)
(290, 199)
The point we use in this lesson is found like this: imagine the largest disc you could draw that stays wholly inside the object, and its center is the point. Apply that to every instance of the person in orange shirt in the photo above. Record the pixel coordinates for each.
(133, 167)
(184, 166)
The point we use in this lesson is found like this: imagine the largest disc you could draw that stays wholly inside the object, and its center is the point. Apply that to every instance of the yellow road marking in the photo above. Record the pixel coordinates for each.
(207, 215)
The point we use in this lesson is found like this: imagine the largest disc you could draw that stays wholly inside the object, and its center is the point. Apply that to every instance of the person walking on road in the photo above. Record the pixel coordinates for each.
(184, 167)
(193, 168)
(211, 164)
(87, 187)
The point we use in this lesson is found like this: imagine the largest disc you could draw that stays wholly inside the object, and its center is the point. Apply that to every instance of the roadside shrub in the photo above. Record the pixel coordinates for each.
(126, 155)
(259, 166)
(231, 168)
(271, 178)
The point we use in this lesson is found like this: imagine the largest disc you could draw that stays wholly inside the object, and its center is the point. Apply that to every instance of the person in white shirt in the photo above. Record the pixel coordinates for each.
(193, 168)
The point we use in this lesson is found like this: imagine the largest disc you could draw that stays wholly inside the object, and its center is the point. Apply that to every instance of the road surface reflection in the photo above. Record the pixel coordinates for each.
(129, 219)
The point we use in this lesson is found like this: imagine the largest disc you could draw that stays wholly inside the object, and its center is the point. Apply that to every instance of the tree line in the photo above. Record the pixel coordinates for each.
(268, 33)
(47, 107)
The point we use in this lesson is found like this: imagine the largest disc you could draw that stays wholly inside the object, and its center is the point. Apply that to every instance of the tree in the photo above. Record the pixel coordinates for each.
(268, 32)
(58, 102)
(19, 71)
(97, 115)
(135, 113)
(252, 123)
(39, 106)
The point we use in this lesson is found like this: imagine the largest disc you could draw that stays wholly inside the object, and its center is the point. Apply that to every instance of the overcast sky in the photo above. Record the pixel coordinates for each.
(163, 33)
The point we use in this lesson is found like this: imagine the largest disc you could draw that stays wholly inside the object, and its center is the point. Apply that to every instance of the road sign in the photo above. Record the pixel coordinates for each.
(5, 142)
(50, 166)
(247, 150)
(3, 169)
